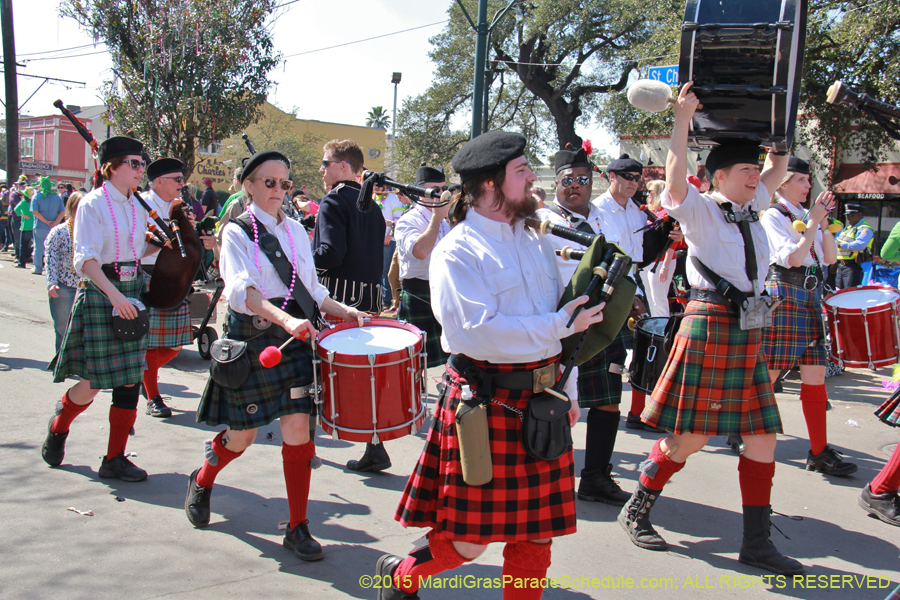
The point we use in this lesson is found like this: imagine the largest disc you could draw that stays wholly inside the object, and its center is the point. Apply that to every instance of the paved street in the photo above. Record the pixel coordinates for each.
(139, 544)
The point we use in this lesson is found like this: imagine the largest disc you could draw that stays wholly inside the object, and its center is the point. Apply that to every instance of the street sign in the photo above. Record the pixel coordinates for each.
(667, 75)
(35, 165)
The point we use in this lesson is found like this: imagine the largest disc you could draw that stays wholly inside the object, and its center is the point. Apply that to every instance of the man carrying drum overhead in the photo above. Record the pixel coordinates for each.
(495, 288)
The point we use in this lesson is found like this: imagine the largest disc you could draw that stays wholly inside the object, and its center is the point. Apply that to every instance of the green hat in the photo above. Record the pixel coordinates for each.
(46, 185)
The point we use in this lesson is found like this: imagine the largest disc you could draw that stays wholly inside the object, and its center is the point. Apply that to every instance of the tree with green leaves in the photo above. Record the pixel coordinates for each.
(186, 72)
(378, 118)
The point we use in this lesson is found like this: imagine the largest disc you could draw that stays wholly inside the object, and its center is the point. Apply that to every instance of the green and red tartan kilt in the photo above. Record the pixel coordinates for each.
(889, 412)
(265, 396)
(415, 309)
(797, 323)
(596, 385)
(90, 350)
(169, 328)
(527, 499)
(715, 381)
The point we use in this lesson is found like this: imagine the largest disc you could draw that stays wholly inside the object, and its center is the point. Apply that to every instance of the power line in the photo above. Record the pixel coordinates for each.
(368, 39)
(28, 60)
(60, 49)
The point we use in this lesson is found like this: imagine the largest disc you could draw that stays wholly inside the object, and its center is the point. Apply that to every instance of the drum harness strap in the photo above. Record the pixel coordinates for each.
(754, 311)
(270, 245)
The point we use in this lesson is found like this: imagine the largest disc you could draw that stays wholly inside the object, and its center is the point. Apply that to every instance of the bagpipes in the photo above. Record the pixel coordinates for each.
(656, 237)
(173, 273)
(416, 193)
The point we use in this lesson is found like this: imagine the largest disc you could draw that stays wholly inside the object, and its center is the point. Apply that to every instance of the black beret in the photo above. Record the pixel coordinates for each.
(164, 166)
(567, 159)
(625, 163)
(430, 174)
(731, 152)
(118, 146)
(796, 165)
(488, 152)
(849, 208)
(259, 158)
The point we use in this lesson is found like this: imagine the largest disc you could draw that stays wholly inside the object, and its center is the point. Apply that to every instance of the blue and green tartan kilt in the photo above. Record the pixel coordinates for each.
(715, 381)
(796, 335)
(596, 385)
(265, 396)
(90, 350)
(889, 412)
(415, 309)
(169, 328)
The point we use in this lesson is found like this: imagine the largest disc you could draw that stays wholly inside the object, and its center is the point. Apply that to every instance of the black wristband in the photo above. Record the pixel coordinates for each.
(784, 153)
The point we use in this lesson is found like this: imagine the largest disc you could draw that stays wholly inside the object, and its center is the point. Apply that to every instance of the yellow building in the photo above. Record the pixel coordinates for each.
(217, 161)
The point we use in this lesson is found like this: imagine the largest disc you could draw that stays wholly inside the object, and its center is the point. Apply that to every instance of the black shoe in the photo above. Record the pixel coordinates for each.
(635, 519)
(300, 542)
(157, 408)
(634, 422)
(122, 468)
(196, 503)
(375, 459)
(598, 486)
(736, 443)
(884, 506)
(830, 462)
(757, 550)
(54, 449)
(385, 568)
(21, 266)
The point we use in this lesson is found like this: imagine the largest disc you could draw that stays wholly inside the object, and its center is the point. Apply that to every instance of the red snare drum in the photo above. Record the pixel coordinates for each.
(373, 379)
(864, 324)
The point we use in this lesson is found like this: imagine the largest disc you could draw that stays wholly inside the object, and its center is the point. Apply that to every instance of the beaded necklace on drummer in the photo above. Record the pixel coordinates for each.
(256, 259)
(137, 261)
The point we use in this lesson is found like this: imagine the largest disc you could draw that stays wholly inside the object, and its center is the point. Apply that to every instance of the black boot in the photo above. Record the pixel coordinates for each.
(385, 568)
(757, 549)
(635, 519)
(736, 443)
(830, 462)
(598, 486)
(299, 541)
(120, 467)
(54, 449)
(196, 503)
(375, 459)
(884, 506)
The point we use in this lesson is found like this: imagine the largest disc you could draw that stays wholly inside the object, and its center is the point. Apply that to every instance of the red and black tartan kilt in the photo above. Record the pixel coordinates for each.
(715, 381)
(889, 412)
(796, 335)
(527, 499)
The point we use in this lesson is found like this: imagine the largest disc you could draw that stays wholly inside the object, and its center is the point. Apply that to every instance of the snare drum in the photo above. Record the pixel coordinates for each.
(651, 351)
(372, 378)
(746, 62)
(863, 325)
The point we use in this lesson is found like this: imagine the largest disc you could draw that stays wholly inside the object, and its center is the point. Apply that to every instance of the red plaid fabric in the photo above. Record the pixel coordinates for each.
(889, 412)
(527, 499)
(715, 381)
(796, 324)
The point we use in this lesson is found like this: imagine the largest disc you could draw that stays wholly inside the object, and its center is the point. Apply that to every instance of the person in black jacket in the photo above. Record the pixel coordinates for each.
(210, 200)
(347, 247)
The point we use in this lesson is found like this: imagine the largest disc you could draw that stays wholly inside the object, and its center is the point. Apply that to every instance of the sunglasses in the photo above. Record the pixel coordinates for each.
(629, 176)
(284, 184)
(442, 188)
(325, 163)
(136, 164)
(178, 179)
(582, 180)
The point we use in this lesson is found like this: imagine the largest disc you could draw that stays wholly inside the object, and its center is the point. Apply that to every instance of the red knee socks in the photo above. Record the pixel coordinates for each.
(296, 477)
(756, 481)
(156, 358)
(221, 456)
(438, 556)
(70, 410)
(525, 564)
(813, 399)
(888, 480)
(120, 422)
(638, 400)
(658, 469)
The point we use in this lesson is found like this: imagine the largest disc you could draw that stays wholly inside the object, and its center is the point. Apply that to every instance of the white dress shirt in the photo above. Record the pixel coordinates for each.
(784, 239)
(95, 233)
(620, 223)
(573, 220)
(717, 243)
(494, 290)
(238, 257)
(162, 209)
(407, 231)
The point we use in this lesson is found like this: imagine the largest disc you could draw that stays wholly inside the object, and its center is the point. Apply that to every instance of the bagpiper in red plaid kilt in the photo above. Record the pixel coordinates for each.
(880, 497)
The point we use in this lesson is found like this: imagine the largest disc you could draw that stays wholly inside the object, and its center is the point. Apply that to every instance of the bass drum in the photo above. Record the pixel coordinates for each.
(746, 62)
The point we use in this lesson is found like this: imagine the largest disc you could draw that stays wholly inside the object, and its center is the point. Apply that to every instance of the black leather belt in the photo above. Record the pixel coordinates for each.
(420, 286)
(110, 272)
(710, 296)
(514, 380)
(795, 276)
(292, 309)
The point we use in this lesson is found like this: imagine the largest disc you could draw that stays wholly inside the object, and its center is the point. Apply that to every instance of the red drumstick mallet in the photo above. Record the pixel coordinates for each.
(271, 355)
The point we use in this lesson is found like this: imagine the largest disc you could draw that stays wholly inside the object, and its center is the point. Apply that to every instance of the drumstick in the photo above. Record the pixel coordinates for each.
(271, 355)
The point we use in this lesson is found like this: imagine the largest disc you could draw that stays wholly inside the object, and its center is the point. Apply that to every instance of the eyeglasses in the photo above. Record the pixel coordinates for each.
(629, 176)
(178, 179)
(284, 184)
(442, 188)
(582, 180)
(325, 162)
(136, 164)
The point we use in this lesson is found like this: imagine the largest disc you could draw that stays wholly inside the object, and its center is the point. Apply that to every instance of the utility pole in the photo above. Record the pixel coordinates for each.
(12, 92)
(395, 79)
(481, 34)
